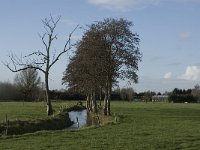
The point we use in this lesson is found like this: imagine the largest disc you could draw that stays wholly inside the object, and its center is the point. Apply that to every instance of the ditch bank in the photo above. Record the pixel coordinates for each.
(57, 122)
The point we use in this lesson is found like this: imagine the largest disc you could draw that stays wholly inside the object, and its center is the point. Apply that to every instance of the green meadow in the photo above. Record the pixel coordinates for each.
(136, 126)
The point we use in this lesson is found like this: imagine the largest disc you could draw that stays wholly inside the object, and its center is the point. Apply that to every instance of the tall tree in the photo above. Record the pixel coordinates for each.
(109, 50)
(28, 83)
(83, 73)
(42, 60)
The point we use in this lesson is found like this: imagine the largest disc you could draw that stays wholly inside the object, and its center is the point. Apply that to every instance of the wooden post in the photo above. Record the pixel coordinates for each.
(7, 124)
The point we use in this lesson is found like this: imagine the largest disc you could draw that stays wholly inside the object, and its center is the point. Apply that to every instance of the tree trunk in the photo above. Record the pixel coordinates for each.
(109, 97)
(108, 107)
(105, 102)
(100, 96)
(94, 103)
(49, 106)
(88, 103)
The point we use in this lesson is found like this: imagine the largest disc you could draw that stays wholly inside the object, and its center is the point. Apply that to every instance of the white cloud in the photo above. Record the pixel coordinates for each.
(185, 35)
(123, 5)
(168, 75)
(191, 73)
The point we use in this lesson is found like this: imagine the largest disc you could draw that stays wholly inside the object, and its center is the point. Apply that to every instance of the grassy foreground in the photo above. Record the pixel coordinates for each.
(142, 126)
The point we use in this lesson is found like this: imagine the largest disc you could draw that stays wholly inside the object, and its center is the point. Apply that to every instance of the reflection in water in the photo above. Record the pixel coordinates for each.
(79, 118)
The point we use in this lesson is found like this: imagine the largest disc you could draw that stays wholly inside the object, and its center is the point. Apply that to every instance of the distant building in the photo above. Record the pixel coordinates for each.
(160, 98)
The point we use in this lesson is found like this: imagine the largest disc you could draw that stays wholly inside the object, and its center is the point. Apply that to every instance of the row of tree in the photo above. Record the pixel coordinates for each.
(182, 95)
(107, 51)
(25, 92)
(27, 86)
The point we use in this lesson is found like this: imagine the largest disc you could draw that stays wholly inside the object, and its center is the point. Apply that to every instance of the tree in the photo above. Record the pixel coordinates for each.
(27, 82)
(108, 51)
(127, 94)
(83, 74)
(181, 96)
(148, 96)
(196, 92)
(42, 60)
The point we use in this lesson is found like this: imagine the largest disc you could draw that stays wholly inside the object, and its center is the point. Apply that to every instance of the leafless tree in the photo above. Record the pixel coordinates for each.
(27, 82)
(42, 60)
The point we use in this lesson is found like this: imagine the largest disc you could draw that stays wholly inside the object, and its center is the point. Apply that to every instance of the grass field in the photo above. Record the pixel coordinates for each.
(141, 126)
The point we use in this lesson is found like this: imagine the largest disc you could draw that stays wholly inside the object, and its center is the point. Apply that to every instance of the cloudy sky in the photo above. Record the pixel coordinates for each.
(169, 31)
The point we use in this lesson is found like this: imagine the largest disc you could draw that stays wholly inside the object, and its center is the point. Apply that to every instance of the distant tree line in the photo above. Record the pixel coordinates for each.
(12, 92)
(9, 91)
(185, 96)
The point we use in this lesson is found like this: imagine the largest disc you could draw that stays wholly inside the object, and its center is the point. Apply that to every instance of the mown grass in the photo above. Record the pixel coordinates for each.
(141, 126)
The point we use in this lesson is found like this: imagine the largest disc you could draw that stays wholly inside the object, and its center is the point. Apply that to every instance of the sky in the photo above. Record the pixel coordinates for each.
(169, 31)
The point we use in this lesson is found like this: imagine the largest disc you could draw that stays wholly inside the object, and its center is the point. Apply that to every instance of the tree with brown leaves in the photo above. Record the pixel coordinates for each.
(108, 51)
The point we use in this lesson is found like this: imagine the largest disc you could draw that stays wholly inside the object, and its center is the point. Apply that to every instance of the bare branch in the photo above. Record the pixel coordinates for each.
(38, 53)
(65, 49)
(43, 41)
(23, 68)
(19, 65)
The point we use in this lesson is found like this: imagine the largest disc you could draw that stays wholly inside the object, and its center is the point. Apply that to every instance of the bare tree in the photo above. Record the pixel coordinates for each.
(42, 60)
(27, 82)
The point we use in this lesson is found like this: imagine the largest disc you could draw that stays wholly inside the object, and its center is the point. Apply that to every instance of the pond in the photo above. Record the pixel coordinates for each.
(81, 119)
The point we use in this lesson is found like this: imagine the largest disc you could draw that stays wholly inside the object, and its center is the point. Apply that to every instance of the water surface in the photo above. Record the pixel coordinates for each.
(79, 118)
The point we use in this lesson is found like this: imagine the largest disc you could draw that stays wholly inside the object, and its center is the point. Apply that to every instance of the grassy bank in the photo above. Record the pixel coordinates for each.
(27, 110)
(59, 120)
(142, 126)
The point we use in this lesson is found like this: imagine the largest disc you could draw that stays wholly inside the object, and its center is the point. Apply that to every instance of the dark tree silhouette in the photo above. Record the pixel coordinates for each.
(109, 50)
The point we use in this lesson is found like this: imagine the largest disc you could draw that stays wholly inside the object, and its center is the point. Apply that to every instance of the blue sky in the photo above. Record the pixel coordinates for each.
(169, 31)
